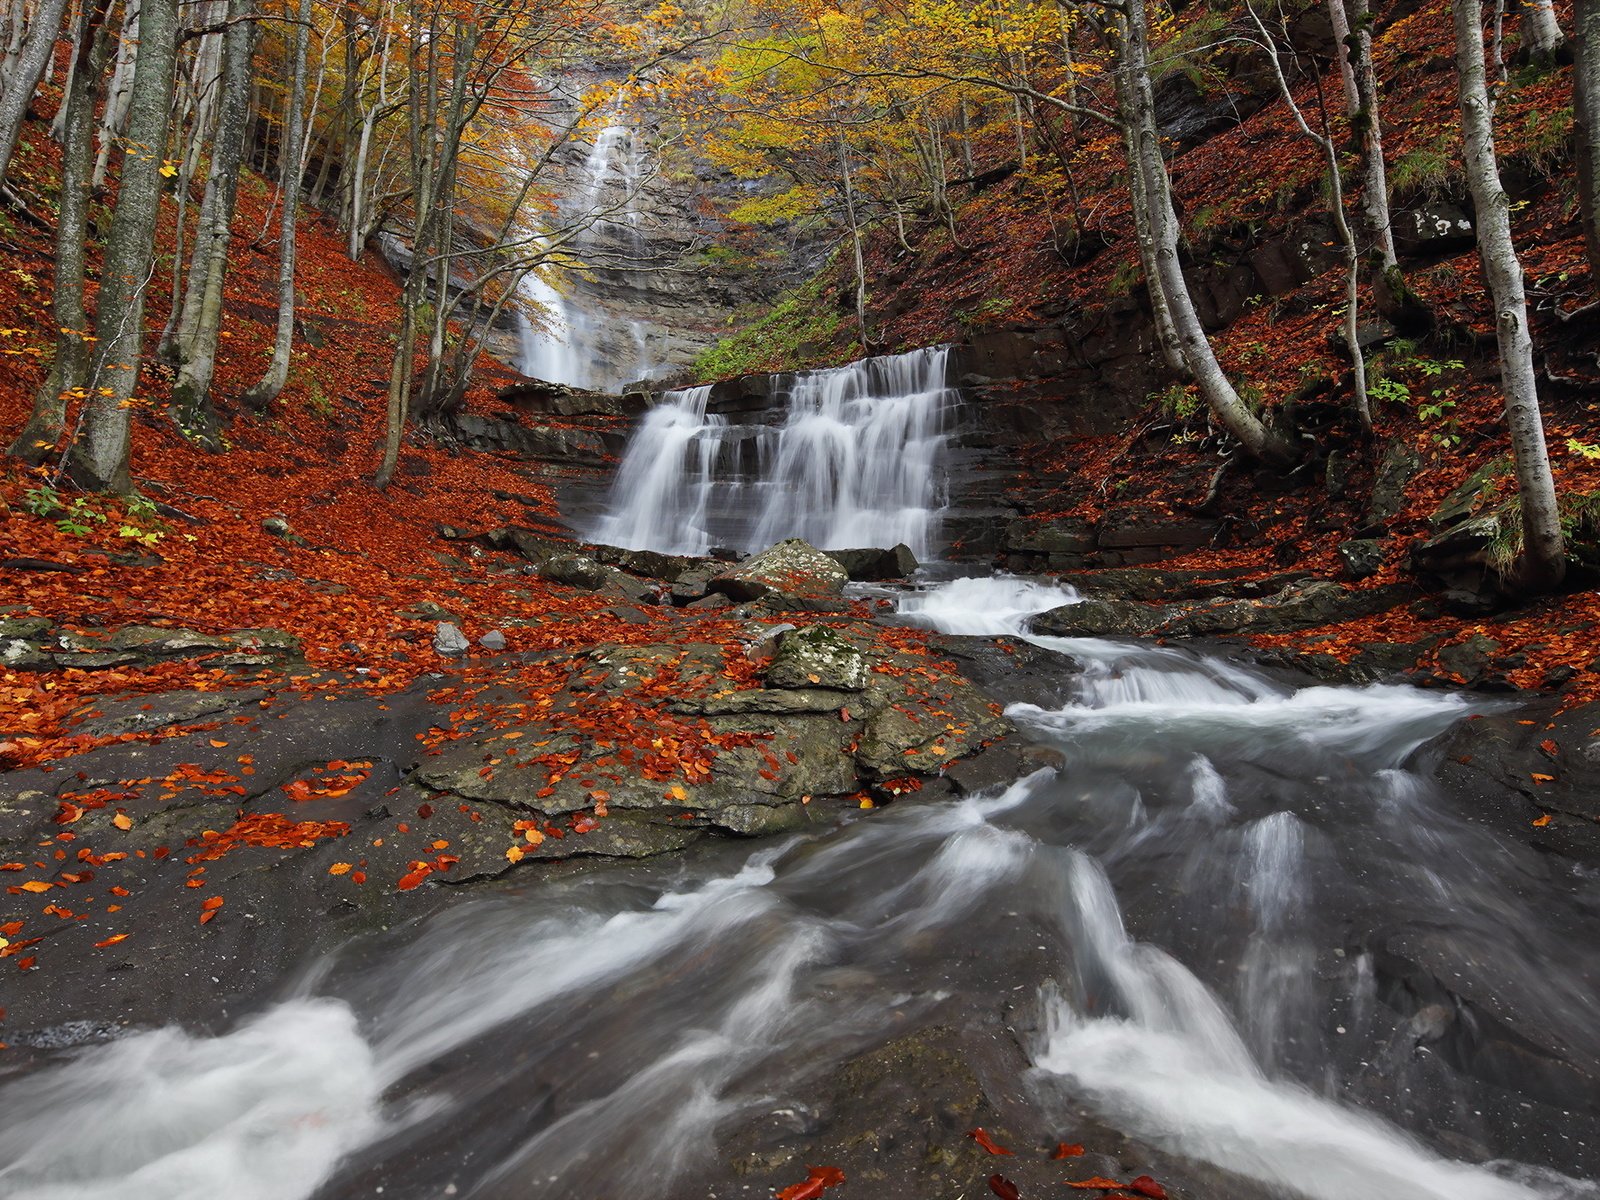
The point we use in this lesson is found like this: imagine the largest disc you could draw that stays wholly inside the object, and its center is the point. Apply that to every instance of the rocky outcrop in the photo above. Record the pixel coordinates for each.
(790, 571)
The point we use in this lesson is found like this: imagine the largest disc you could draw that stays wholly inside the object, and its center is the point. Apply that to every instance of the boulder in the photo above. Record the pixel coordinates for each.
(1433, 229)
(449, 641)
(1399, 464)
(1101, 618)
(874, 564)
(1361, 557)
(792, 568)
(582, 572)
(818, 657)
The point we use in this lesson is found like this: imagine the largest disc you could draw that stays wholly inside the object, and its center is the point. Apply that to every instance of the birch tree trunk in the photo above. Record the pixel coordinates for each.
(69, 368)
(200, 324)
(1541, 36)
(277, 374)
(1258, 439)
(1541, 565)
(23, 77)
(1586, 128)
(98, 458)
(119, 94)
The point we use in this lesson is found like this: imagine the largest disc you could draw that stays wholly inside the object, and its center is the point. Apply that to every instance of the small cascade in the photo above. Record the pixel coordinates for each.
(584, 344)
(857, 461)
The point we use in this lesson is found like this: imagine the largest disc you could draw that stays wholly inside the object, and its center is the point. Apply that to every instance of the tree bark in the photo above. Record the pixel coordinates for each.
(1541, 566)
(277, 374)
(23, 77)
(1586, 132)
(200, 324)
(1259, 440)
(70, 367)
(1541, 35)
(98, 458)
(119, 94)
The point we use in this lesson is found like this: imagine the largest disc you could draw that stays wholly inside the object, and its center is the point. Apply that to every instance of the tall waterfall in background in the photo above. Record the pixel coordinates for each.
(584, 345)
(858, 461)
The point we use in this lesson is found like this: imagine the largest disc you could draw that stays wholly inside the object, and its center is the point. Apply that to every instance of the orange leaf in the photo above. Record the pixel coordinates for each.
(516, 854)
(1541, 821)
(218, 743)
(339, 868)
(207, 915)
(409, 881)
(988, 1143)
(1538, 778)
(211, 903)
(26, 964)
(817, 1181)
(122, 821)
(1098, 1183)
(36, 886)
(1067, 1150)
(110, 941)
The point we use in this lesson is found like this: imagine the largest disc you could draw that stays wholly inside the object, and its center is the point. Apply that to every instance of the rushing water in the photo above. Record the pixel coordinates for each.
(857, 461)
(1202, 911)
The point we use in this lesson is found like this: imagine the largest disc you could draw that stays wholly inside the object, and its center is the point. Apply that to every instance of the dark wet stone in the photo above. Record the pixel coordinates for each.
(874, 564)
(1362, 557)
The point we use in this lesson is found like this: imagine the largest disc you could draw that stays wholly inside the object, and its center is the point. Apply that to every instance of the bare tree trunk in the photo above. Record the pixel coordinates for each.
(98, 458)
(1258, 439)
(119, 94)
(23, 77)
(1347, 241)
(1586, 132)
(69, 370)
(1541, 36)
(1542, 564)
(1340, 21)
(855, 242)
(277, 374)
(200, 324)
(1161, 314)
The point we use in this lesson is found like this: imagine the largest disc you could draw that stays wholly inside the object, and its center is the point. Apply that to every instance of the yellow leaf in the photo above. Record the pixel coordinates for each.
(677, 792)
(516, 854)
(36, 886)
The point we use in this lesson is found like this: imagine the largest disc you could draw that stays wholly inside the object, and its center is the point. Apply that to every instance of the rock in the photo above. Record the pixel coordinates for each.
(817, 657)
(874, 564)
(1433, 229)
(1469, 659)
(897, 740)
(789, 570)
(1101, 618)
(583, 572)
(494, 641)
(280, 528)
(1362, 557)
(155, 642)
(1478, 491)
(1400, 463)
(449, 641)
(1067, 538)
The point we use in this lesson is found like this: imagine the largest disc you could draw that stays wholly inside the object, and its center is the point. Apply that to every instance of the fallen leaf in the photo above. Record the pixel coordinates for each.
(1067, 1150)
(1541, 821)
(1004, 1188)
(211, 903)
(988, 1143)
(411, 879)
(122, 821)
(1098, 1183)
(339, 868)
(111, 941)
(1146, 1186)
(516, 854)
(817, 1181)
(36, 886)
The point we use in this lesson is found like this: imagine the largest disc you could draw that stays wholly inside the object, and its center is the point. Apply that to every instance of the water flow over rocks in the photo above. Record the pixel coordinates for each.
(858, 460)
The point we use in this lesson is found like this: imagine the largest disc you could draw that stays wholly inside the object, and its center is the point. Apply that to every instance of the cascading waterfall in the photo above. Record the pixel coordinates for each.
(858, 461)
(1218, 838)
(582, 345)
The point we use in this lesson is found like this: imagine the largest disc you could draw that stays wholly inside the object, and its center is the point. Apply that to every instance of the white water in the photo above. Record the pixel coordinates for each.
(577, 342)
(858, 461)
(591, 1037)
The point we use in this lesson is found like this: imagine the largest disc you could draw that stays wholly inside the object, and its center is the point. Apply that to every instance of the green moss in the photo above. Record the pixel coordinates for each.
(803, 328)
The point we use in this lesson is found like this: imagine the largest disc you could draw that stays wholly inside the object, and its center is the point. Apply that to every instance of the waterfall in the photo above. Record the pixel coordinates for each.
(584, 344)
(858, 460)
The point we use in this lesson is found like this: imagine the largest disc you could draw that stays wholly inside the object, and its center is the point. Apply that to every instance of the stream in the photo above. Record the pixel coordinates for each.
(1186, 922)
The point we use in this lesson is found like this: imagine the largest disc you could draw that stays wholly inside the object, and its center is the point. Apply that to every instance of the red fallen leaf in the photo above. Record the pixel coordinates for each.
(584, 825)
(817, 1181)
(1004, 1188)
(1146, 1186)
(988, 1143)
(26, 964)
(1067, 1150)
(409, 881)
(211, 903)
(110, 941)
(207, 915)
(1098, 1183)
(424, 811)
(298, 790)
(1549, 746)
(844, 714)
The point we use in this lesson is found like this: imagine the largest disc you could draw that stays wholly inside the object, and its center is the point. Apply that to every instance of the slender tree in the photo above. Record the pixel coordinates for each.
(98, 457)
(1541, 565)
(1586, 127)
(277, 374)
(22, 74)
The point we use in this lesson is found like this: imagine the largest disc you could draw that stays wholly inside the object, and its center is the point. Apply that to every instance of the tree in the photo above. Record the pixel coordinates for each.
(290, 179)
(69, 369)
(1541, 563)
(98, 457)
(22, 73)
(1586, 128)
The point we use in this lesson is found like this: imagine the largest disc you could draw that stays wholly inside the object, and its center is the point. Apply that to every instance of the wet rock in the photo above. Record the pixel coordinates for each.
(1361, 557)
(874, 564)
(792, 569)
(132, 714)
(1469, 659)
(149, 641)
(1101, 618)
(494, 641)
(580, 571)
(280, 528)
(1478, 491)
(449, 641)
(817, 657)
(898, 740)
